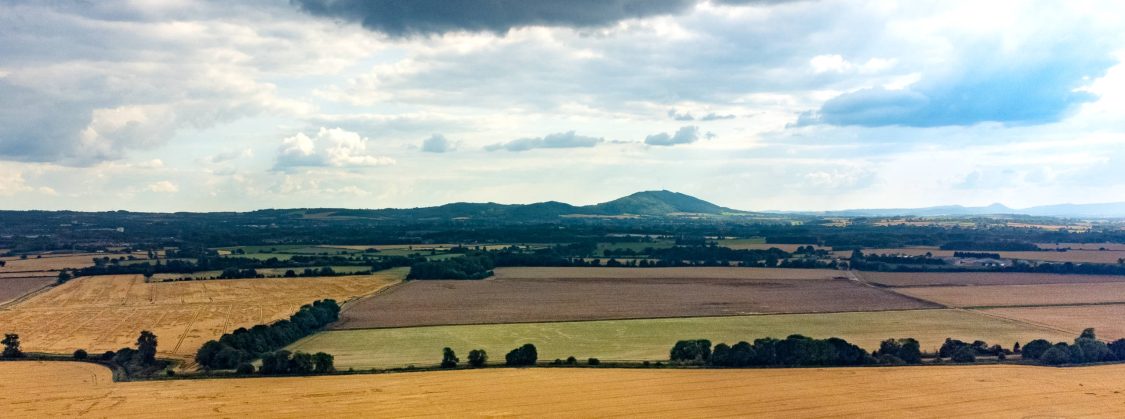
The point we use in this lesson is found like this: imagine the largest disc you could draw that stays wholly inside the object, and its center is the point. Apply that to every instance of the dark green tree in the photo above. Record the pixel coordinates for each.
(696, 351)
(324, 363)
(1055, 355)
(478, 357)
(449, 358)
(146, 347)
(81, 354)
(301, 363)
(11, 346)
(1035, 349)
(522, 356)
(245, 368)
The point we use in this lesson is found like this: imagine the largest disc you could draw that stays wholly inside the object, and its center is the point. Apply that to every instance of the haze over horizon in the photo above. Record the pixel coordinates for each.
(753, 105)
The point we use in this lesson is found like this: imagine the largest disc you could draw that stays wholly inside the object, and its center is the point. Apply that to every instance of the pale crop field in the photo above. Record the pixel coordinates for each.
(104, 313)
(918, 279)
(56, 262)
(1106, 319)
(1076, 256)
(80, 389)
(651, 339)
(1020, 295)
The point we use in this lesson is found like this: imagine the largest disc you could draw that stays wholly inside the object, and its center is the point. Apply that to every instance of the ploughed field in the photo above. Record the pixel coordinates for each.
(55, 262)
(651, 339)
(517, 295)
(916, 279)
(79, 389)
(1021, 295)
(104, 313)
(12, 288)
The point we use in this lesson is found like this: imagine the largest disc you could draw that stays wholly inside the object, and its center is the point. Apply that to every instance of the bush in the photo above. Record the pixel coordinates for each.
(477, 358)
(522, 356)
(571, 360)
(888, 359)
(81, 354)
(108, 355)
(245, 368)
(906, 350)
(1056, 355)
(593, 361)
(1035, 349)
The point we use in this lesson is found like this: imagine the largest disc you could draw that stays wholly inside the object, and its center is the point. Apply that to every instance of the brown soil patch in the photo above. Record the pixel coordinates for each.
(914, 279)
(1021, 295)
(13, 288)
(562, 294)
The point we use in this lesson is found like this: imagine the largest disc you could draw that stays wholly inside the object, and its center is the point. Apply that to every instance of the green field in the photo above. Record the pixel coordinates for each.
(636, 246)
(651, 339)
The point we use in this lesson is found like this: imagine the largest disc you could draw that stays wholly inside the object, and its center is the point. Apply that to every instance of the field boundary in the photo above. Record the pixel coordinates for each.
(329, 329)
(15, 301)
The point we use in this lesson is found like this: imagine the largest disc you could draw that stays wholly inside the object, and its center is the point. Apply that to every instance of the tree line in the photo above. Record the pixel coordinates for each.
(244, 345)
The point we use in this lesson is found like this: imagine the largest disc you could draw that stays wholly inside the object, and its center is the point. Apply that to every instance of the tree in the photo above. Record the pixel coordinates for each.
(964, 354)
(478, 357)
(1035, 349)
(1088, 333)
(697, 351)
(81, 354)
(324, 363)
(571, 360)
(593, 361)
(63, 277)
(146, 347)
(1056, 355)
(522, 356)
(11, 346)
(448, 358)
(1016, 348)
(301, 363)
(245, 368)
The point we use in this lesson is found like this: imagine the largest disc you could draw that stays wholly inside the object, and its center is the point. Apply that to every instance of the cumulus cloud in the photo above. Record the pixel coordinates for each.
(672, 113)
(402, 18)
(163, 186)
(1037, 82)
(330, 147)
(437, 143)
(685, 135)
(558, 140)
(716, 117)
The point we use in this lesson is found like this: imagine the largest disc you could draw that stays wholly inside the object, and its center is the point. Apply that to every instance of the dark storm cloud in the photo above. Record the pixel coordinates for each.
(409, 17)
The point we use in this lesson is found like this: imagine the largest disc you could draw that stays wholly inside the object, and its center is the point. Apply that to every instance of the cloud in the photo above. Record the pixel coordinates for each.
(558, 140)
(716, 117)
(331, 147)
(685, 135)
(680, 116)
(163, 186)
(1035, 83)
(404, 18)
(437, 143)
(231, 155)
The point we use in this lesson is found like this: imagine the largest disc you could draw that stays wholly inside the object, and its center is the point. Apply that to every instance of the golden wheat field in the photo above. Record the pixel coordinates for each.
(79, 389)
(56, 262)
(108, 312)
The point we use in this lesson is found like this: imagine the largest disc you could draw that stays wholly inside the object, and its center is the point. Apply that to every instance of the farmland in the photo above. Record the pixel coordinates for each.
(914, 279)
(74, 389)
(107, 312)
(1020, 295)
(650, 339)
(49, 262)
(558, 294)
(1106, 318)
(13, 288)
(1076, 256)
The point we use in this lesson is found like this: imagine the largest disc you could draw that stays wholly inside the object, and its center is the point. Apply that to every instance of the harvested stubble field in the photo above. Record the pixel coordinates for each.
(56, 262)
(1083, 246)
(920, 279)
(561, 294)
(1020, 295)
(75, 389)
(650, 339)
(108, 312)
(13, 288)
(1076, 256)
(1106, 318)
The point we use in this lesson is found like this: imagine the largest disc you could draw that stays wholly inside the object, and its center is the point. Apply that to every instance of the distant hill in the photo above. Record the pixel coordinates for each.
(1107, 210)
(657, 203)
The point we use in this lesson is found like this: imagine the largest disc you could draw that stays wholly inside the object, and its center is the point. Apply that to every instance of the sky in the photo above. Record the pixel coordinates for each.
(176, 105)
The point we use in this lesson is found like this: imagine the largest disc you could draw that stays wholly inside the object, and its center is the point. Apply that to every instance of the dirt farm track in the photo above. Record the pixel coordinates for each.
(46, 389)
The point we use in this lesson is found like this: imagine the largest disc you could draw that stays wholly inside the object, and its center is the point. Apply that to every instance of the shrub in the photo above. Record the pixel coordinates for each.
(245, 368)
(593, 361)
(571, 360)
(81, 354)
